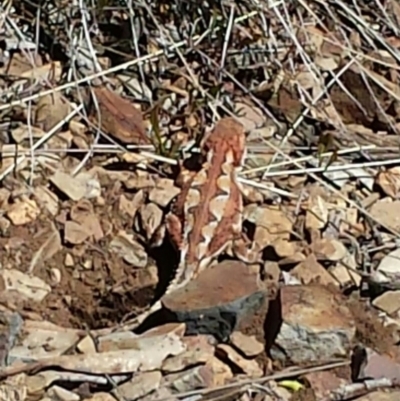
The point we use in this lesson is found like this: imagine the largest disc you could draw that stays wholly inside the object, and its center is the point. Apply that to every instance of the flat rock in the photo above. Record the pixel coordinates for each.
(389, 302)
(387, 213)
(248, 345)
(221, 372)
(190, 379)
(316, 326)
(310, 271)
(217, 300)
(81, 186)
(199, 350)
(390, 263)
(163, 192)
(249, 367)
(140, 385)
(329, 249)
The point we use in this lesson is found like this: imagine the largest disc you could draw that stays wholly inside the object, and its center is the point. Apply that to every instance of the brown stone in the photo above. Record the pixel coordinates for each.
(218, 299)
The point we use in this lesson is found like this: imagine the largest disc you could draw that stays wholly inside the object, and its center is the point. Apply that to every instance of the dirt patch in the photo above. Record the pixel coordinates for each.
(370, 331)
(96, 288)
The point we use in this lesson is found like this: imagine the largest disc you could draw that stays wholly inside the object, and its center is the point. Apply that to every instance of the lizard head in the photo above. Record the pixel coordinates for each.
(227, 137)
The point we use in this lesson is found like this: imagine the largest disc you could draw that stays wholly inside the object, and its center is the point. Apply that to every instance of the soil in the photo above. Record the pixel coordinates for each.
(100, 289)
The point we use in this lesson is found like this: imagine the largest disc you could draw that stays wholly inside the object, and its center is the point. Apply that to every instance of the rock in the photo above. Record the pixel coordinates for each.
(49, 242)
(311, 271)
(150, 219)
(83, 213)
(93, 226)
(86, 345)
(73, 187)
(316, 326)
(4, 226)
(389, 302)
(46, 199)
(217, 300)
(97, 397)
(69, 260)
(159, 394)
(29, 287)
(168, 328)
(43, 340)
(389, 181)
(272, 224)
(163, 192)
(189, 358)
(140, 385)
(130, 250)
(23, 211)
(249, 367)
(128, 340)
(316, 214)
(387, 213)
(55, 276)
(272, 271)
(288, 249)
(4, 197)
(59, 393)
(390, 263)
(129, 207)
(344, 276)
(221, 373)
(117, 341)
(194, 378)
(324, 383)
(328, 249)
(75, 233)
(248, 345)
(139, 180)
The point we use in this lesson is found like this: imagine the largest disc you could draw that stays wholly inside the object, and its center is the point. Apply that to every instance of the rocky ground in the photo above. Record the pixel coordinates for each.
(88, 174)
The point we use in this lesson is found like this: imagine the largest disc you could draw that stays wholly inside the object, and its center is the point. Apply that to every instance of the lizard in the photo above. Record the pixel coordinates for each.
(206, 219)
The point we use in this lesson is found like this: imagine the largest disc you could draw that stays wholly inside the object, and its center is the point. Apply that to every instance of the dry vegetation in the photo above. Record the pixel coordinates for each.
(99, 104)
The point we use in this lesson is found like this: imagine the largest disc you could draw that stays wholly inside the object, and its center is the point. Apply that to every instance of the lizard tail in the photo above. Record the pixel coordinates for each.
(138, 320)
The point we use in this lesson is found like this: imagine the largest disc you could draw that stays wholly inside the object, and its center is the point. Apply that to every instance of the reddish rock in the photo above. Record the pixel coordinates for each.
(218, 300)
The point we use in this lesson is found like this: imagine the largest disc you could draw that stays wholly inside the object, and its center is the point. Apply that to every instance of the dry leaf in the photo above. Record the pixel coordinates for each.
(50, 110)
(119, 118)
(389, 182)
(357, 90)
